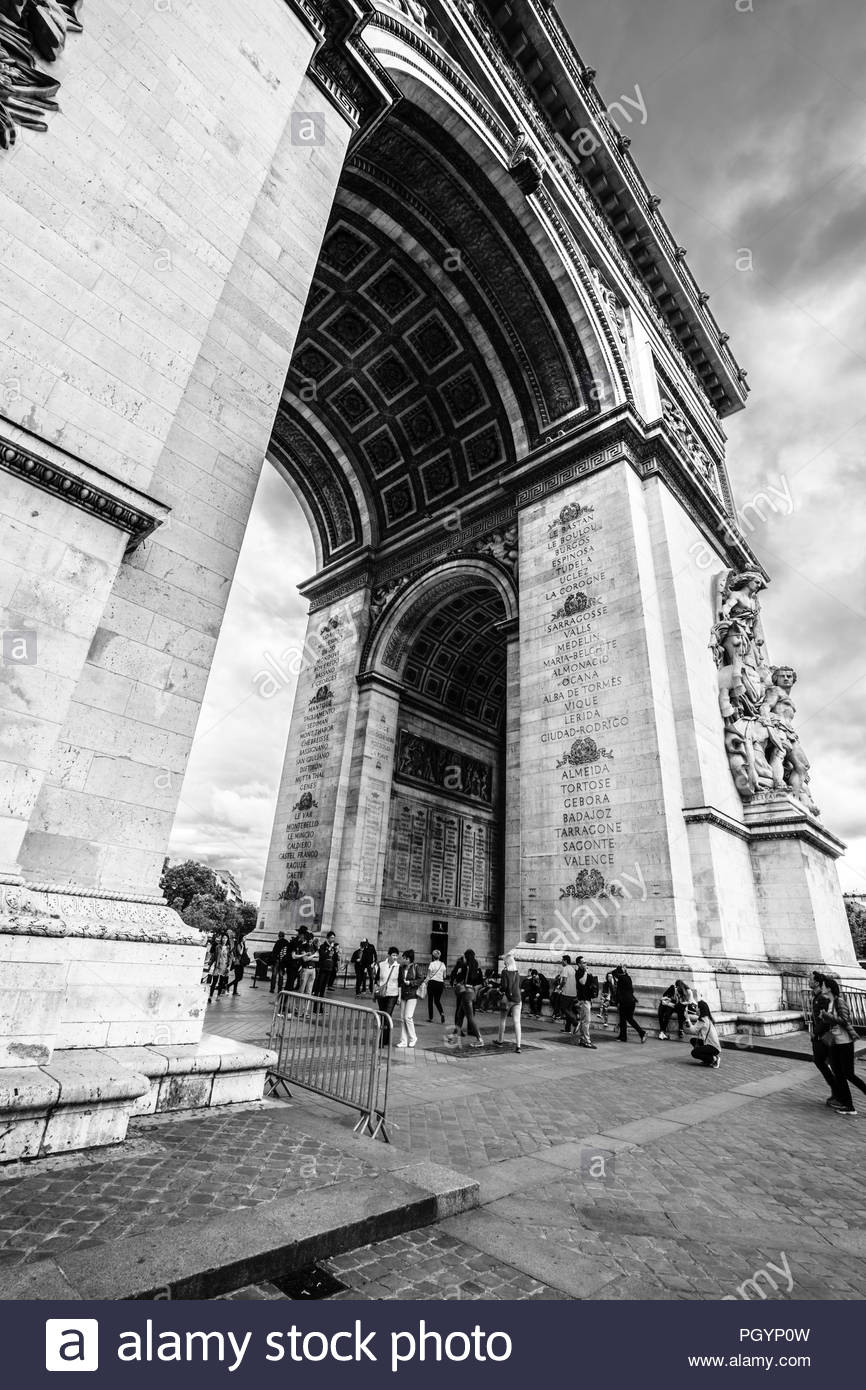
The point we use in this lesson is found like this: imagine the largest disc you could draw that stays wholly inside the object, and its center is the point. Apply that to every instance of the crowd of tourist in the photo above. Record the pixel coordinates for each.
(225, 962)
(396, 982)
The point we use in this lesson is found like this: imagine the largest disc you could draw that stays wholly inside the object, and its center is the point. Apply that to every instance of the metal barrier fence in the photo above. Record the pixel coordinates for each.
(342, 1051)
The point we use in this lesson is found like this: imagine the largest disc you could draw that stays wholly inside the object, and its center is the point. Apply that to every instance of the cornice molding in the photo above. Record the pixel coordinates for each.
(582, 105)
(83, 486)
(775, 818)
(620, 436)
(555, 157)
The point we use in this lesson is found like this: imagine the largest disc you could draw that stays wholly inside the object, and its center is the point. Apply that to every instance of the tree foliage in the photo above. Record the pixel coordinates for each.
(856, 911)
(193, 891)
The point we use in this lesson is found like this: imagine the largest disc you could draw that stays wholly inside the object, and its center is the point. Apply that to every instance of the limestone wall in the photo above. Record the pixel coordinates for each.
(158, 242)
(599, 760)
(57, 565)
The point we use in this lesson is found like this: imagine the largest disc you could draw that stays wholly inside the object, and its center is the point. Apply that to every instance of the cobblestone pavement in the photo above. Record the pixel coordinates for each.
(171, 1170)
(627, 1173)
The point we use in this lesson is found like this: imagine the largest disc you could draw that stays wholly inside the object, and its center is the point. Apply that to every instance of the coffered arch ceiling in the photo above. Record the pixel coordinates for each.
(435, 350)
(456, 664)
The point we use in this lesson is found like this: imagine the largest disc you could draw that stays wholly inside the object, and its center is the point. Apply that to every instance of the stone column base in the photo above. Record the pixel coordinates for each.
(84, 1098)
(86, 970)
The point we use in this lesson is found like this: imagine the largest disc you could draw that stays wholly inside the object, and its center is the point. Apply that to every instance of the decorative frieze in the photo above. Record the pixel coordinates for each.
(431, 764)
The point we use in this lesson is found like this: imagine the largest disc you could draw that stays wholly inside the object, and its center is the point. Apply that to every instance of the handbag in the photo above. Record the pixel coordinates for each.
(380, 992)
(422, 990)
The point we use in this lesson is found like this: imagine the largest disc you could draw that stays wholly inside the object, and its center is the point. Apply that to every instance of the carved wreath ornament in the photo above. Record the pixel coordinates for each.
(583, 752)
(30, 30)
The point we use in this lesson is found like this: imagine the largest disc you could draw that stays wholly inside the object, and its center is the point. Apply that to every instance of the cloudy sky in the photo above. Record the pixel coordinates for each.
(755, 139)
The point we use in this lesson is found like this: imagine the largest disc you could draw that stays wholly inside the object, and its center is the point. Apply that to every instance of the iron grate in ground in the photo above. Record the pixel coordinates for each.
(314, 1282)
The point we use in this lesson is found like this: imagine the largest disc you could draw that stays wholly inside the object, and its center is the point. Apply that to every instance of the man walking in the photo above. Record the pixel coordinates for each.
(388, 989)
(568, 1000)
(369, 961)
(278, 960)
(329, 951)
(627, 1005)
(584, 1004)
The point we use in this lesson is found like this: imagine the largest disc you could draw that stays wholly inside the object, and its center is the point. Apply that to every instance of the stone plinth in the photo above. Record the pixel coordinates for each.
(102, 1006)
(802, 910)
(84, 1097)
(86, 972)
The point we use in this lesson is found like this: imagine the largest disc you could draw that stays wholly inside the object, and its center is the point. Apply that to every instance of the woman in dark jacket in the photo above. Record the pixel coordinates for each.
(240, 961)
(838, 1030)
(466, 977)
(409, 979)
(627, 1004)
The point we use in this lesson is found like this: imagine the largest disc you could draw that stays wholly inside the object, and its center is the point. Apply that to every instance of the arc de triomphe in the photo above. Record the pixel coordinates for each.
(401, 252)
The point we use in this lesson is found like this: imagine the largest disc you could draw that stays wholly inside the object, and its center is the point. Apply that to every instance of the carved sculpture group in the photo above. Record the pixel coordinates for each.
(763, 747)
(30, 30)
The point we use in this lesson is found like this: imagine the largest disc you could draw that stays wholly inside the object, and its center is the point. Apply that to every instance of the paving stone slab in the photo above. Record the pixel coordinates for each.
(549, 1261)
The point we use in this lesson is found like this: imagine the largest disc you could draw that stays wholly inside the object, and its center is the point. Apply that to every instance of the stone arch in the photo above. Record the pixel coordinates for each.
(391, 636)
(428, 380)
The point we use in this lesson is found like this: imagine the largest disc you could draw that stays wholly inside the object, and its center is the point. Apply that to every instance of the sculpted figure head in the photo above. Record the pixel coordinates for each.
(784, 677)
(750, 580)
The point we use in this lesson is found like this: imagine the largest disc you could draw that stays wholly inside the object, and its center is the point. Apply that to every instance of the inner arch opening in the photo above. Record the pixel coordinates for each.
(443, 872)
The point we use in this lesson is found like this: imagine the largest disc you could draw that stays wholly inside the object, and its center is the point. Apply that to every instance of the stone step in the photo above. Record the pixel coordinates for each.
(84, 1098)
(212, 1256)
(758, 1025)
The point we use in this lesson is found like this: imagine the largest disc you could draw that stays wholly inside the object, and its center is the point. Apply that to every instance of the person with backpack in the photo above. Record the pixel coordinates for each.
(584, 985)
(511, 1003)
(409, 980)
(627, 1004)
(466, 978)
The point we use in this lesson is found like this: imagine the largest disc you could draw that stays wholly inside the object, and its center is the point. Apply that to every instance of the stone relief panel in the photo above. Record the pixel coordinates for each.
(432, 764)
(440, 858)
(679, 426)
